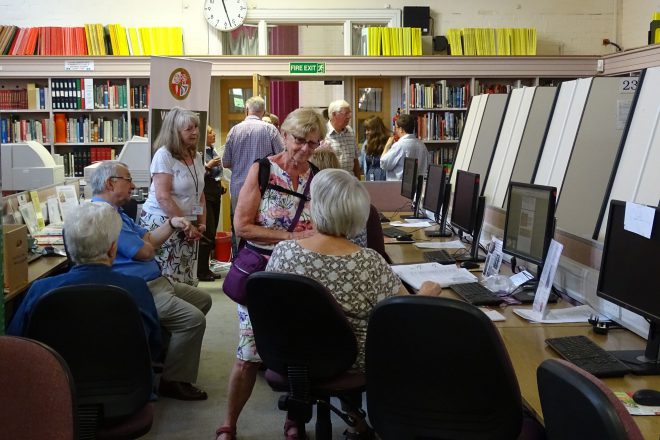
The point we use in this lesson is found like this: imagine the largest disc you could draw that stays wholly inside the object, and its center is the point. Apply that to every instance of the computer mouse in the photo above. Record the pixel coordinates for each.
(469, 265)
(647, 397)
(404, 238)
(48, 251)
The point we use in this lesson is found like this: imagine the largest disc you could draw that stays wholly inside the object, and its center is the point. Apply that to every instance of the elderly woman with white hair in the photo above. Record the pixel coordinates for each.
(357, 277)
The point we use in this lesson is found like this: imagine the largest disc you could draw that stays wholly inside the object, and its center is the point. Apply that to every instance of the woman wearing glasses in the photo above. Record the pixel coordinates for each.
(177, 190)
(264, 219)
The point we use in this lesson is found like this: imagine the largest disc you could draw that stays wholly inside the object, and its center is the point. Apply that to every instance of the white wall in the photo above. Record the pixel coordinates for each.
(635, 19)
(564, 26)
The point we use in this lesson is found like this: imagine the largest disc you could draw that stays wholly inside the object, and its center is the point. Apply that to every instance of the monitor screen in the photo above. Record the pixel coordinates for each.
(529, 223)
(464, 205)
(409, 180)
(626, 269)
(435, 189)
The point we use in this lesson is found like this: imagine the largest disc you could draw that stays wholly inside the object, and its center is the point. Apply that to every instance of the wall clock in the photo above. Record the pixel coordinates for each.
(225, 15)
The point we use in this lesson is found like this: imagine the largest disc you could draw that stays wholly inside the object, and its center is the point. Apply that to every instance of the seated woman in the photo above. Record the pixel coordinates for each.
(357, 277)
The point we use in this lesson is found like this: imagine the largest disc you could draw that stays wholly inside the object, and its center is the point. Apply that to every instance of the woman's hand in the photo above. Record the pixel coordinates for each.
(429, 288)
(194, 232)
(213, 163)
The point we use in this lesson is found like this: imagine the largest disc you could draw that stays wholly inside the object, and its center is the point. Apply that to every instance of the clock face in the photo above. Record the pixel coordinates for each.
(225, 15)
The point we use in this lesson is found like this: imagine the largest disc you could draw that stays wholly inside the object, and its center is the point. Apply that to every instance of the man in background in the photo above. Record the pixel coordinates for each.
(394, 153)
(341, 136)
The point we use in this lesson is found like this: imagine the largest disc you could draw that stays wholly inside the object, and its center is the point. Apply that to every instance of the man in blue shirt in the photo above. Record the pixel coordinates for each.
(394, 153)
(181, 307)
(91, 235)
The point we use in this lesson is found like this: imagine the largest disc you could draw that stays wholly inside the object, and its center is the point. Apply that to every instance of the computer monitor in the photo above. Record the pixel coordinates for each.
(530, 221)
(627, 279)
(411, 185)
(435, 199)
(28, 165)
(467, 211)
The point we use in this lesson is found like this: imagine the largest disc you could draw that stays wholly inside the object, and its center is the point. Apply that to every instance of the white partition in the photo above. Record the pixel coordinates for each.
(508, 142)
(637, 176)
(561, 134)
(469, 136)
(489, 131)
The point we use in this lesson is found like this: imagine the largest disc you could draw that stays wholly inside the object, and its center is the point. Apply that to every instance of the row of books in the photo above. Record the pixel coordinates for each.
(82, 93)
(83, 129)
(393, 41)
(92, 39)
(435, 126)
(443, 156)
(76, 161)
(439, 95)
(13, 99)
(13, 129)
(481, 87)
(491, 41)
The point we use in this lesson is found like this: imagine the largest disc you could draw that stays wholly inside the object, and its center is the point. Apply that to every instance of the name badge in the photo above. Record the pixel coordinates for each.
(197, 209)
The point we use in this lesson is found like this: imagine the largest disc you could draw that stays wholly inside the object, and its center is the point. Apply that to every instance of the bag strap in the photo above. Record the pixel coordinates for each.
(301, 204)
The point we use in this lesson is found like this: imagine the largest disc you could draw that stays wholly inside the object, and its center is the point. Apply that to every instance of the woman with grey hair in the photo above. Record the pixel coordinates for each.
(177, 190)
(358, 278)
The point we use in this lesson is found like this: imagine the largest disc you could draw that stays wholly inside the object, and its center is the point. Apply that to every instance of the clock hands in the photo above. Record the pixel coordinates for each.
(226, 13)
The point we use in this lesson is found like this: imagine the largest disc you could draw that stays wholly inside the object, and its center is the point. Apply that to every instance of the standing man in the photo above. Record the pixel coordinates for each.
(342, 136)
(248, 141)
(181, 307)
(408, 145)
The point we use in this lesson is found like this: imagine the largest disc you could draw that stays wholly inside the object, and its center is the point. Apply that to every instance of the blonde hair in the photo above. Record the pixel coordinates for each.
(324, 157)
(378, 136)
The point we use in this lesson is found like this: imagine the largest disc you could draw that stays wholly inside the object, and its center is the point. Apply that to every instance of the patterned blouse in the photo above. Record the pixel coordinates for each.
(357, 281)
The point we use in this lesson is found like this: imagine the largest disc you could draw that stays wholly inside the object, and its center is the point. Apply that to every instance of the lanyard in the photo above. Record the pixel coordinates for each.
(194, 177)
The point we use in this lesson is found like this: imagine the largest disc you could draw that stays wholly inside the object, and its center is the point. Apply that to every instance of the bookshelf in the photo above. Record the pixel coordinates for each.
(82, 118)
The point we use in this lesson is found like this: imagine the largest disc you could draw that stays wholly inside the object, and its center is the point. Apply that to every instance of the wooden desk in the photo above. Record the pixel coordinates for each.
(39, 268)
(527, 350)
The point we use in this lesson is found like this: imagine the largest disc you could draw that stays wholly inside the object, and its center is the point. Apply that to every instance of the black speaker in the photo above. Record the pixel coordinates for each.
(417, 16)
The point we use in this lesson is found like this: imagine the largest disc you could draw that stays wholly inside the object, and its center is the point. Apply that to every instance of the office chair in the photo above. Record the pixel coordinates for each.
(375, 238)
(131, 208)
(98, 330)
(437, 369)
(38, 395)
(303, 337)
(577, 405)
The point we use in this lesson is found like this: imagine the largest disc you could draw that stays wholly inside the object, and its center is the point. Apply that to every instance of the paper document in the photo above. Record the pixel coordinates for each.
(634, 408)
(559, 316)
(639, 219)
(454, 244)
(494, 315)
(445, 275)
(412, 224)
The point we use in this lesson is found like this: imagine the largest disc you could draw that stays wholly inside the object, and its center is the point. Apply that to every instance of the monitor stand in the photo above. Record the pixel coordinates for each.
(417, 201)
(643, 362)
(476, 234)
(442, 221)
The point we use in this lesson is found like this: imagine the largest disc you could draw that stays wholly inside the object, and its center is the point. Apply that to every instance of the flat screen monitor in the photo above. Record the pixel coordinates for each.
(409, 179)
(530, 219)
(435, 190)
(464, 205)
(627, 278)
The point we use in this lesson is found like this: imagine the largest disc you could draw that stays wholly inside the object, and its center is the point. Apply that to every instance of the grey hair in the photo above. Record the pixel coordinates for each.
(340, 203)
(104, 171)
(337, 106)
(303, 121)
(255, 104)
(89, 231)
(177, 119)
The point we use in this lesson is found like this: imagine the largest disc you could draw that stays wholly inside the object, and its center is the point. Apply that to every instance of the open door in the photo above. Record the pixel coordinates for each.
(261, 87)
(372, 98)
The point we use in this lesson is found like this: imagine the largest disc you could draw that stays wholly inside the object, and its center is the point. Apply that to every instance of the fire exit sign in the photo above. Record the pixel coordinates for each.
(306, 68)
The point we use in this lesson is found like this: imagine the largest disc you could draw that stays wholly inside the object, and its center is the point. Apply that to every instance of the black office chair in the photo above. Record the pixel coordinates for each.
(302, 335)
(38, 395)
(98, 330)
(437, 369)
(577, 405)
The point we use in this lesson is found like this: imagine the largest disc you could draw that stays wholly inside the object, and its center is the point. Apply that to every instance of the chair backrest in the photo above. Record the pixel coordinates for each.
(577, 405)
(98, 330)
(437, 368)
(37, 394)
(297, 322)
(375, 238)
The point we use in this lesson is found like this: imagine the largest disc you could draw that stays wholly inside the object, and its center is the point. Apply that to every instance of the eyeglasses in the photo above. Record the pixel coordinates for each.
(302, 141)
(128, 179)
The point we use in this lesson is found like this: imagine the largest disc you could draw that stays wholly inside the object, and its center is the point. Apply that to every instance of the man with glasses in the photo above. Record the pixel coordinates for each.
(181, 307)
(394, 153)
(341, 136)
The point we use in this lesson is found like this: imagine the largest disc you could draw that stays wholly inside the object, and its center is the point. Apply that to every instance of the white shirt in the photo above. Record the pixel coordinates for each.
(407, 146)
(187, 182)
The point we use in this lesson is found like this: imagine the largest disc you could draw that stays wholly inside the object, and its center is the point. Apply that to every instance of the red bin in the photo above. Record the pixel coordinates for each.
(223, 246)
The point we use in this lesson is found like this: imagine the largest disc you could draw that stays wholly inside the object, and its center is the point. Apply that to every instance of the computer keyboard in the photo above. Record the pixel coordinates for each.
(393, 232)
(584, 353)
(441, 256)
(476, 294)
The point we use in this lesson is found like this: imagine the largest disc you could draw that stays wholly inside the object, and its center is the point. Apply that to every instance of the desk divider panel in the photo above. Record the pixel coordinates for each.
(538, 121)
(508, 142)
(636, 175)
(489, 131)
(594, 154)
(469, 136)
(559, 141)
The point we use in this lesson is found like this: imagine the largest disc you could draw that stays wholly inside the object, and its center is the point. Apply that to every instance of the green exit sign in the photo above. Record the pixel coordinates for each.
(306, 68)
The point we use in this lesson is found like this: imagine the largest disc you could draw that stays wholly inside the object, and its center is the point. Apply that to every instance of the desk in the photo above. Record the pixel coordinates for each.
(526, 345)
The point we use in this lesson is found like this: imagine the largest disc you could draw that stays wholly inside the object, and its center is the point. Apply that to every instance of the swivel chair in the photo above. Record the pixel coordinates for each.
(437, 369)
(38, 395)
(304, 339)
(98, 330)
(577, 405)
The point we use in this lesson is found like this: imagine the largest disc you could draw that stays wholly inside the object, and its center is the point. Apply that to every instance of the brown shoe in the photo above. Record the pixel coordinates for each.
(181, 391)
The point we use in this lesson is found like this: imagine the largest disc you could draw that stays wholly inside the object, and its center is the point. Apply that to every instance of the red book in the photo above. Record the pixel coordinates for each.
(18, 36)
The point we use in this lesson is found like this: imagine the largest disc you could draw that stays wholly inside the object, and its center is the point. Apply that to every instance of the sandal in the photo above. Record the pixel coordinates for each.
(228, 430)
(369, 434)
(292, 431)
